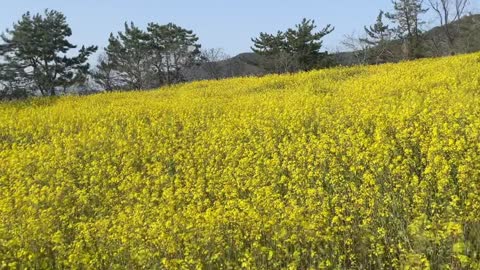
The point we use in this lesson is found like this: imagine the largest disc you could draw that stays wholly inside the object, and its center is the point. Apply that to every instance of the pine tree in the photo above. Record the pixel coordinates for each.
(277, 56)
(305, 44)
(36, 53)
(129, 54)
(268, 44)
(378, 32)
(175, 49)
(13, 84)
(138, 59)
(105, 74)
(407, 15)
(377, 39)
(295, 49)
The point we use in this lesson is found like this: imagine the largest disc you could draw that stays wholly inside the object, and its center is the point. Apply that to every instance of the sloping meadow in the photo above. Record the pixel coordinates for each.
(350, 168)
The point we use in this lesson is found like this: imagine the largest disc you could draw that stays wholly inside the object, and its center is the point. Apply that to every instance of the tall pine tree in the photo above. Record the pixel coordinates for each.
(305, 44)
(277, 56)
(129, 56)
(36, 53)
(175, 48)
(378, 37)
(138, 59)
(407, 15)
(296, 49)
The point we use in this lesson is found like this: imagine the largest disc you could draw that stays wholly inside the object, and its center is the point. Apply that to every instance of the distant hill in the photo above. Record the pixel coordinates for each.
(467, 40)
(244, 64)
(467, 31)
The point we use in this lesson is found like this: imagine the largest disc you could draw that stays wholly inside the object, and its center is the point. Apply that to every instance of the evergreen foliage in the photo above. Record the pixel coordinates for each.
(36, 54)
(296, 49)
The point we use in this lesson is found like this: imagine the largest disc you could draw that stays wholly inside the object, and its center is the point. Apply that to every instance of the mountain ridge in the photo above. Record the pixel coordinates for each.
(250, 63)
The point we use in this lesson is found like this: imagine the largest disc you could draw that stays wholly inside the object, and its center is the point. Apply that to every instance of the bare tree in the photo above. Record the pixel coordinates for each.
(212, 62)
(358, 48)
(449, 11)
(460, 8)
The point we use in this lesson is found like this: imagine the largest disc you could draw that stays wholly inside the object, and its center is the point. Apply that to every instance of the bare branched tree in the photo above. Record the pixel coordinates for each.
(357, 47)
(449, 11)
(460, 8)
(212, 62)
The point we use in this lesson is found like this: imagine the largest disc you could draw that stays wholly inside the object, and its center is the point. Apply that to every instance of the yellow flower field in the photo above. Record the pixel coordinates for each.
(349, 168)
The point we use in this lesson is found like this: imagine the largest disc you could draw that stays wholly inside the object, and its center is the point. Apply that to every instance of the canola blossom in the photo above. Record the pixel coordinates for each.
(369, 167)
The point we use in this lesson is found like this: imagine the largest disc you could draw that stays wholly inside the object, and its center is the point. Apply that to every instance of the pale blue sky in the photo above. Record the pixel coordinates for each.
(228, 24)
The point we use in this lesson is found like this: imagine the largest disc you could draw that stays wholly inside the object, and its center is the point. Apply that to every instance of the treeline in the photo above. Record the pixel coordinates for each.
(143, 59)
(36, 57)
(399, 34)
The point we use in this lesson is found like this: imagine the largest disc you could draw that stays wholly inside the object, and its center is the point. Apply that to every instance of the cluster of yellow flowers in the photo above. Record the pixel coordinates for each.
(372, 167)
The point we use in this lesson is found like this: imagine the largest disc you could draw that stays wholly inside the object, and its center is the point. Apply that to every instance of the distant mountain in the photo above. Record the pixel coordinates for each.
(466, 30)
(244, 64)
(467, 34)
(467, 40)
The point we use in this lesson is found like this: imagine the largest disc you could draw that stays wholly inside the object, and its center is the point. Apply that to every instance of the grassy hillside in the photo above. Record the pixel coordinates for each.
(353, 168)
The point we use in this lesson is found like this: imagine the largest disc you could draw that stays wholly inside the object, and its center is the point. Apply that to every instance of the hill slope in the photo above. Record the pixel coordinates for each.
(350, 168)
(435, 44)
(466, 31)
